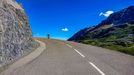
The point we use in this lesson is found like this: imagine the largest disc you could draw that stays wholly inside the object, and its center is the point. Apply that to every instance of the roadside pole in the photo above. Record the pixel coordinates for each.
(48, 36)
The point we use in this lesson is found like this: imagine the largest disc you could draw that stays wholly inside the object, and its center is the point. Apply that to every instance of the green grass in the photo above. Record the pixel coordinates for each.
(127, 50)
(111, 45)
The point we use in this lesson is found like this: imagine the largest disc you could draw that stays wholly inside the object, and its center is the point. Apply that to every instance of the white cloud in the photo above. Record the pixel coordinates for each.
(65, 29)
(106, 14)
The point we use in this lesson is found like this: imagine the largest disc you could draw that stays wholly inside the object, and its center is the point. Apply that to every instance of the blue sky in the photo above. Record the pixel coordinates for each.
(62, 18)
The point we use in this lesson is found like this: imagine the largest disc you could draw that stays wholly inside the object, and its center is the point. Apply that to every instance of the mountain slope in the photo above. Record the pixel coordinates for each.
(117, 30)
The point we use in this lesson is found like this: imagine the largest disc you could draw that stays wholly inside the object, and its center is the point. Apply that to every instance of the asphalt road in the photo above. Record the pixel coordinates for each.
(69, 58)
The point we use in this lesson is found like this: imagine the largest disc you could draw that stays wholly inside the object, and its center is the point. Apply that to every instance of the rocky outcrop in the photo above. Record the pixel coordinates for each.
(15, 32)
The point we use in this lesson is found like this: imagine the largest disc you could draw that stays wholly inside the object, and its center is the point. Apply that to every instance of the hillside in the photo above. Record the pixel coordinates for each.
(116, 32)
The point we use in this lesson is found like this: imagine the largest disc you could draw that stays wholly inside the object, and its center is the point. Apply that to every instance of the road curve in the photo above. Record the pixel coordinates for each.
(70, 58)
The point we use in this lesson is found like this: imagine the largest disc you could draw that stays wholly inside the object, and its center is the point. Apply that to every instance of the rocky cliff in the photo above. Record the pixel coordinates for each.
(15, 32)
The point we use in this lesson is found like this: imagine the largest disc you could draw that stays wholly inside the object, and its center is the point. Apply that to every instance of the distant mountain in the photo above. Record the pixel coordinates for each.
(124, 16)
(117, 29)
(118, 19)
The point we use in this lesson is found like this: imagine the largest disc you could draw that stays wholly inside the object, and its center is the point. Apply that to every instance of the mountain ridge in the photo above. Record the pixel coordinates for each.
(112, 20)
(117, 30)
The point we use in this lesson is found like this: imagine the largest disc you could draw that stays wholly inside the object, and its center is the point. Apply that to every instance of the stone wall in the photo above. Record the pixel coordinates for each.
(15, 31)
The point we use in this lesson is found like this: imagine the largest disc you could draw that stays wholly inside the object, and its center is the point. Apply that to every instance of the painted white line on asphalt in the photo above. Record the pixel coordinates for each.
(97, 68)
(79, 53)
(69, 45)
(102, 73)
(76, 50)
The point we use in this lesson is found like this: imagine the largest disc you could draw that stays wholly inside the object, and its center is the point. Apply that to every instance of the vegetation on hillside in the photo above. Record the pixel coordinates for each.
(121, 39)
(115, 32)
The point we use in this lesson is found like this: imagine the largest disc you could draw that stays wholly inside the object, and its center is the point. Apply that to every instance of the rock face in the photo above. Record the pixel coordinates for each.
(15, 32)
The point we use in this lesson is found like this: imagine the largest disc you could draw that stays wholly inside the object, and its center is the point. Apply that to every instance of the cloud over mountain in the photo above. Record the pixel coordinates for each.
(106, 14)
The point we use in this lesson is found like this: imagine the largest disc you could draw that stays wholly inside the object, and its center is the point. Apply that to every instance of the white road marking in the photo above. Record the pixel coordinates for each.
(69, 45)
(79, 53)
(97, 68)
(76, 50)
(102, 73)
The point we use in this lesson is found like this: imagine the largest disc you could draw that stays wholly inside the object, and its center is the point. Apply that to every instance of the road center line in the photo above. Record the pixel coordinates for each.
(79, 53)
(97, 68)
(69, 45)
(102, 73)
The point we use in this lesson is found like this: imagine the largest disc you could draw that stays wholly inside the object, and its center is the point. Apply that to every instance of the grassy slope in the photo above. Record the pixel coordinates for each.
(117, 41)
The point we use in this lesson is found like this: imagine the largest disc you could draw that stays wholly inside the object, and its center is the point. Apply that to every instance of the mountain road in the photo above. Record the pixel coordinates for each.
(70, 58)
